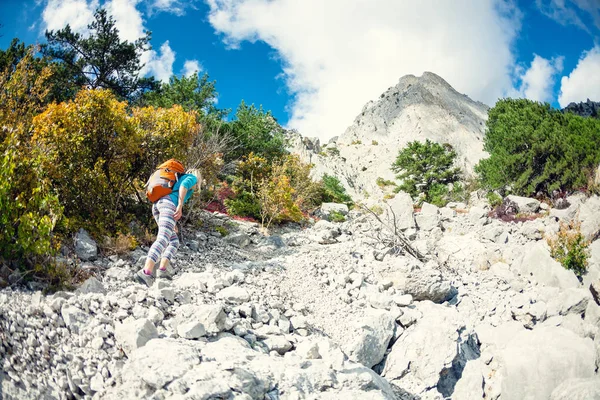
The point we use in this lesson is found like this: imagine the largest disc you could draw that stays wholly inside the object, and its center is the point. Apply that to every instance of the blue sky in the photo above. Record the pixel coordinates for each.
(315, 64)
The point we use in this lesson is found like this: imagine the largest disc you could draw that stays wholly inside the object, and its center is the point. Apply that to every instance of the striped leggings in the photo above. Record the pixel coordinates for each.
(167, 242)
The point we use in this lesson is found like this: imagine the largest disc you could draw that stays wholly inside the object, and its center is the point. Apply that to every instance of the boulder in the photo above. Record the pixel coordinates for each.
(577, 389)
(525, 204)
(75, 319)
(470, 385)
(91, 285)
(373, 334)
(278, 343)
(85, 247)
(428, 218)
(537, 265)
(400, 207)
(160, 362)
(238, 239)
(325, 232)
(234, 294)
(211, 317)
(428, 284)
(328, 208)
(425, 349)
(134, 334)
(589, 215)
(537, 361)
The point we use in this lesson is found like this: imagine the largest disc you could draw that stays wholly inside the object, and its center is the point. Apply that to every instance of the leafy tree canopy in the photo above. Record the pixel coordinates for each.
(534, 148)
(256, 131)
(192, 92)
(426, 168)
(100, 60)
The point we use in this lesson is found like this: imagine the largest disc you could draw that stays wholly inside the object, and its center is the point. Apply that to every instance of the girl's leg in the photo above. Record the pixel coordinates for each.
(166, 225)
(170, 251)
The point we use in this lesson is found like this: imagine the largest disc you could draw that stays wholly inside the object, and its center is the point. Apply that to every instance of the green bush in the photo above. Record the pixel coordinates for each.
(29, 208)
(336, 216)
(333, 151)
(570, 248)
(384, 182)
(426, 168)
(534, 148)
(334, 191)
(494, 199)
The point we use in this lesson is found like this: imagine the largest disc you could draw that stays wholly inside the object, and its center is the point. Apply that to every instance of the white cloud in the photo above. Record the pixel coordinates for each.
(572, 12)
(537, 82)
(584, 81)
(176, 7)
(128, 19)
(191, 66)
(159, 65)
(77, 13)
(338, 54)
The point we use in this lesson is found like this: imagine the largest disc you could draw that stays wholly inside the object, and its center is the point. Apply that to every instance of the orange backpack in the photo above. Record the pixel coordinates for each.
(161, 182)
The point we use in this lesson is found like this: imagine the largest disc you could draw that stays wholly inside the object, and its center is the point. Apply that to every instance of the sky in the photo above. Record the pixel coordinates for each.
(315, 63)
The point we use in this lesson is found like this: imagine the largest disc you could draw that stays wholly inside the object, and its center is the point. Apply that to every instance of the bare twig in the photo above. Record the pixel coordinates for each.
(397, 242)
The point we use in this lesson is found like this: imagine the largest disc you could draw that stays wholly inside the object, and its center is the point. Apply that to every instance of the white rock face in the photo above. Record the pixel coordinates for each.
(417, 108)
(373, 334)
(424, 349)
(589, 215)
(530, 373)
(577, 389)
(135, 334)
(525, 204)
(537, 264)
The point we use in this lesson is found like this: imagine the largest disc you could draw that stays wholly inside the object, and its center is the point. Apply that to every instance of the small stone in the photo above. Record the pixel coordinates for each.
(97, 343)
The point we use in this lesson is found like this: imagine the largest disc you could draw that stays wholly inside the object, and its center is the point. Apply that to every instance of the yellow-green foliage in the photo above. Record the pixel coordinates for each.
(374, 142)
(28, 208)
(570, 248)
(275, 197)
(307, 193)
(95, 152)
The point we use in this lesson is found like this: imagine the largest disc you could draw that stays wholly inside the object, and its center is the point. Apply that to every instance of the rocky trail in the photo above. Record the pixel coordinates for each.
(324, 312)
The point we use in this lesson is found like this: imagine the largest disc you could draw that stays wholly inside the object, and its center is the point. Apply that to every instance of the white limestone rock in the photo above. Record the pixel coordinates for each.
(525, 204)
(134, 334)
(373, 334)
(538, 266)
(535, 362)
(234, 294)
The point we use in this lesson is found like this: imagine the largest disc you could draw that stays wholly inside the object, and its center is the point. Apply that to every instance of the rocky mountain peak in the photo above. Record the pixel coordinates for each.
(416, 108)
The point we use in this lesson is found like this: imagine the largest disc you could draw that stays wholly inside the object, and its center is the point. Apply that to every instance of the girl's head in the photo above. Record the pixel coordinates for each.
(196, 172)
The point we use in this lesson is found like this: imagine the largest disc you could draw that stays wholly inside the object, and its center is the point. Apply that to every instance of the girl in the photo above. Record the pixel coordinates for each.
(167, 211)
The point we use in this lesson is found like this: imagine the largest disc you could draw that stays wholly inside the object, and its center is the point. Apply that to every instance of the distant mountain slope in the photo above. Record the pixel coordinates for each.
(417, 108)
(585, 109)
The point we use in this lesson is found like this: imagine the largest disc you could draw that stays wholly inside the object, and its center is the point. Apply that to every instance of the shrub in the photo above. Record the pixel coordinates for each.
(29, 209)
(356, 142)
(250, 173)
(374, 142)
(275, 197)
(119, 244)
(534, 148)
(307, 193)
(336, 216)
(222, 230)
(99, 183)
(333, 151)
(570, 248)
(426, 168)
(494, 199)
(383, 182)
(334, 191)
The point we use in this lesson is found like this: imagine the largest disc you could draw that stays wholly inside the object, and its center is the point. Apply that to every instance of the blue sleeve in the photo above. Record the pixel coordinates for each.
(188, 181)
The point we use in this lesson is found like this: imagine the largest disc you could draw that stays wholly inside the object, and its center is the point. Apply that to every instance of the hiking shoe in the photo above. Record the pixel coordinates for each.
(164, 273)
(142, 278)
